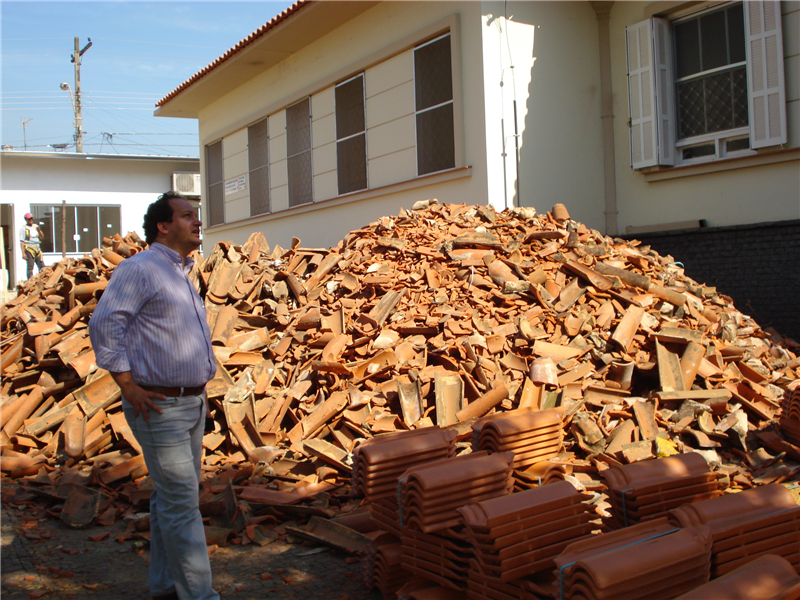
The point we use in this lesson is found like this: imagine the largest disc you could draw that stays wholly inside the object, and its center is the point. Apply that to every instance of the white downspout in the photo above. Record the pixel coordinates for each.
(603, 10)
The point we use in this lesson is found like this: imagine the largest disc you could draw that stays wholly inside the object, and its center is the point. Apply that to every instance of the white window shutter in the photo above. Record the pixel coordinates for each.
(765, 80)
(665, 103)
(650, 103)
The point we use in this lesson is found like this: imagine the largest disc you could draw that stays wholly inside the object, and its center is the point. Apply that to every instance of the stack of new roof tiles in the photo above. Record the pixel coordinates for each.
(420, 589)
(542, 473)
(649, 561)
(521, 534)
(384, 569)
(385, 513)
(765, 578)
(533, 436)
(748, 524)
(649, 489)
(790, 421)
(482, 586)
(430, 495)
(442, 558)
(379, 462)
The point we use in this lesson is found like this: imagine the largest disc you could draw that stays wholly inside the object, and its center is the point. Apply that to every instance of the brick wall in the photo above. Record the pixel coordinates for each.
(756, 265)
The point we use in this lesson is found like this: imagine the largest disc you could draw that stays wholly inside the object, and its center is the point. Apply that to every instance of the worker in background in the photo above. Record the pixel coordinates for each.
(30, 240)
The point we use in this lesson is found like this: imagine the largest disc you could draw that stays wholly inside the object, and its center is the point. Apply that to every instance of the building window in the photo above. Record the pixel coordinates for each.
(433, 90)
(711, 81)
(258, 163)
(215, 181)
(298, 152)
(351, 138)
(83, 227)
(706, 85)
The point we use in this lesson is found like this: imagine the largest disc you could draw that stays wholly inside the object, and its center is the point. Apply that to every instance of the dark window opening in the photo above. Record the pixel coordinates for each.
(737, 144)
(433, 87)
(298, 150)
(258, 163)
(216, 184)
(351, 139)
(699, 151)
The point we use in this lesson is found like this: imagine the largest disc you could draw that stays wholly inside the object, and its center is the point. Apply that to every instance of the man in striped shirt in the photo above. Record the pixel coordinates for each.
(150, 331)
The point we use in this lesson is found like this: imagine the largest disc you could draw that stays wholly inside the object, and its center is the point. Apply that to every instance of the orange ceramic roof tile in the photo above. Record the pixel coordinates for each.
(765, 578)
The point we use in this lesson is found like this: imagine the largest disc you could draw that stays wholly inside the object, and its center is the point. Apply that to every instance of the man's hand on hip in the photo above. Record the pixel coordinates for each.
(140, 399)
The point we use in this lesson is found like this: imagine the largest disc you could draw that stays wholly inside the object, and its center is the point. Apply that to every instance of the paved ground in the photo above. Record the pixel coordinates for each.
(43, 558)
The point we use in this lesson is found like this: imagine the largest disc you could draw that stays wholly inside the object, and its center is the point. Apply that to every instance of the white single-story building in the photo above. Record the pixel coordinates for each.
(103, 194)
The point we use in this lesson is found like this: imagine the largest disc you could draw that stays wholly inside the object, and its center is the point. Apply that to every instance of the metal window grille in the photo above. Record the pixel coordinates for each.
(433, 91)
(298, 150)
(433, 74)
(435, 141)
(351, 158)
(711, 86)
(258, 161)
(216, 184)
(351, 141)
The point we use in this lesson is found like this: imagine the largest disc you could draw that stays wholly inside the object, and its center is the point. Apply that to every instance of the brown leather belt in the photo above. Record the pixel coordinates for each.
(174, 392)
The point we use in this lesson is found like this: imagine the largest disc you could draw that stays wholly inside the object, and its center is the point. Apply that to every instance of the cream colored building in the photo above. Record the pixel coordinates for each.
(636, 115)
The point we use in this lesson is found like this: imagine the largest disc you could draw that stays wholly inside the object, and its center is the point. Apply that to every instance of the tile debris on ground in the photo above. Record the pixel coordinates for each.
(443, 316)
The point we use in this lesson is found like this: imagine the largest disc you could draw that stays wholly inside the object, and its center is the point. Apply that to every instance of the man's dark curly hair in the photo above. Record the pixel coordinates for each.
(159, 211)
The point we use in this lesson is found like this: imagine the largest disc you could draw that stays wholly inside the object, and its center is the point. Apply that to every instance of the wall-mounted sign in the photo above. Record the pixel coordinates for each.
(237, 184)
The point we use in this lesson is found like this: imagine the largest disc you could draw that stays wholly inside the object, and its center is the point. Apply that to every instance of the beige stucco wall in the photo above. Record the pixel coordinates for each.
(392, 161)
(749, 193)
(558, 104)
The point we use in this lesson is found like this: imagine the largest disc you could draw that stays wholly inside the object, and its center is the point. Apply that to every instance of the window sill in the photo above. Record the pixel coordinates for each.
(725, 164)
(402, 186)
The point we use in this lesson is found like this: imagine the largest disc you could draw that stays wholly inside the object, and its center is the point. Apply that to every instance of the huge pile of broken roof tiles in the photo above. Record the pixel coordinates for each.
(437, 317)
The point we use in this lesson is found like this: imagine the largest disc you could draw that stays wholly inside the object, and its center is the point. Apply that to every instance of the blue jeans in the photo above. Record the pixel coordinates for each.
(172, 448)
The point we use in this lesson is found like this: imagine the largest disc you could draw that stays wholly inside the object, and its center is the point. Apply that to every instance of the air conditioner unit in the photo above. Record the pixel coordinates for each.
(187, 184)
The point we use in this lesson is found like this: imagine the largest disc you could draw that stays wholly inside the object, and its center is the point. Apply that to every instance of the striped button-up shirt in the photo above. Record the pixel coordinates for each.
(151, 321)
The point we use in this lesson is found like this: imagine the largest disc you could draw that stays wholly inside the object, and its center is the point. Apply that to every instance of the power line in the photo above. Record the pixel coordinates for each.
(111, 40)
(117, 92)
(118, 97)
(45, 108)
(150, 145)
(85, 91)
(158, 43)
(133, 133)
(161, 56)
(38, 51)
(88, 102)
(33, 39)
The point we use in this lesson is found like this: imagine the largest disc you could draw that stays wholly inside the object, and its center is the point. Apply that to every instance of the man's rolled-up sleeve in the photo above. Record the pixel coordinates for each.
(121, 301)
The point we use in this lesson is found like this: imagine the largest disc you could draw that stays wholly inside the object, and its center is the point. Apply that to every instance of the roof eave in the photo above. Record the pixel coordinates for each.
(254, 56)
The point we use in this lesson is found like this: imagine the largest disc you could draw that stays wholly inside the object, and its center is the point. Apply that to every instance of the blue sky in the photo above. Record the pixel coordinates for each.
(140, 52)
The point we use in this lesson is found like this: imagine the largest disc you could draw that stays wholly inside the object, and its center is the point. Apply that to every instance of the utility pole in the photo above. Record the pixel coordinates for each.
(24, 133)
(76, 106)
